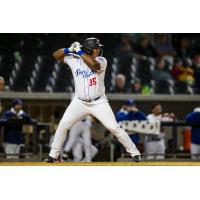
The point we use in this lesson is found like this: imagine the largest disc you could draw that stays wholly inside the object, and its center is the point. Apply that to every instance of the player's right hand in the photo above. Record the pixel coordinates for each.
(77, 46)
(71, 48)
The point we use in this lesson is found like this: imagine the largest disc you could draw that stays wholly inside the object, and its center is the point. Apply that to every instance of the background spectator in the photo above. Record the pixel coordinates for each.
(197, 73)
(2, 83)
(125, 54)
(144, 49)
(137, 86)
(13, 135)
(162, 77)
(159, 73)
(184, 51)
(147, 89)
(120, 84)
(125, 49)
(183, 73)
(163, 46)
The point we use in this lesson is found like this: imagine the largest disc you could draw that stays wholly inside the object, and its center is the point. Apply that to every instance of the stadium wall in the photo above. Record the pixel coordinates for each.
(43, 105)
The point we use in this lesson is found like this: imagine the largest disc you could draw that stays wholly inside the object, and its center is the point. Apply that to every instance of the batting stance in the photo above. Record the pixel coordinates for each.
(88, 69)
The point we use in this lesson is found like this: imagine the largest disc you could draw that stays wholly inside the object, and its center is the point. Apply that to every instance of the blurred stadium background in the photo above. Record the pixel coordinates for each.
(148, 68)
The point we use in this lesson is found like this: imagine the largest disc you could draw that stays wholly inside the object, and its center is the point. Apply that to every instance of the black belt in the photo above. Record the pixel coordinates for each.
(153, 139)
(91, 100)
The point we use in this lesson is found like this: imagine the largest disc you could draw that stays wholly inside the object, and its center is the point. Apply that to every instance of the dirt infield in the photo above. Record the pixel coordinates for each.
(156, 163)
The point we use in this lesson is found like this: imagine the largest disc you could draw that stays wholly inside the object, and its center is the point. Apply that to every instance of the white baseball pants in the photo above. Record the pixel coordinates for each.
(77, 151)
(80, 129)
(11, 149)
(101, 110)
(195, 149)
(155, 149)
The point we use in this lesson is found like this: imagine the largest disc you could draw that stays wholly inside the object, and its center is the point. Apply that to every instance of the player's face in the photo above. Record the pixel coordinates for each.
(157, 110)
(131, 108)
(128, 108)
(96, 52)
(18, 107)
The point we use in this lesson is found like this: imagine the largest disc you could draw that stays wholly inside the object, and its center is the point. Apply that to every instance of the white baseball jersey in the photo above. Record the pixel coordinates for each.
(89, 84)
(152, 117)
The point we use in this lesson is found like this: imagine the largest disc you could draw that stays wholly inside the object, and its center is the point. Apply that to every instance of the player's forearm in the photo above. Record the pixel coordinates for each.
(59, 54)
(91, 62)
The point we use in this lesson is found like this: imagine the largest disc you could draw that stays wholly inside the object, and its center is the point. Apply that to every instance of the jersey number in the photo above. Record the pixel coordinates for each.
(92, 81)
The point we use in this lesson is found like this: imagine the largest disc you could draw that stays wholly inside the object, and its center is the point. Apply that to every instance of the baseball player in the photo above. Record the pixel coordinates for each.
(155, 145)
(80, 132)
(130, 112)
(13, 136)
(195, 139)
(88, 68)
(78, 151)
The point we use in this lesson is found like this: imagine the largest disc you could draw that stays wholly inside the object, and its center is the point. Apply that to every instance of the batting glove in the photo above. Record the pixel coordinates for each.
(76, 46)
(71, 48)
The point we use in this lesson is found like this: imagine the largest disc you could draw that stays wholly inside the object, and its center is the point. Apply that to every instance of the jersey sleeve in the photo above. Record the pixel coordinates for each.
(103, 63)
(149, 117)
(68, 60)
(71, 60)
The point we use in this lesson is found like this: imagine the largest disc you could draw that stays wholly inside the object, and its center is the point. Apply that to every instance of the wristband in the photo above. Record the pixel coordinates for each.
(80, 52)
(66, 51)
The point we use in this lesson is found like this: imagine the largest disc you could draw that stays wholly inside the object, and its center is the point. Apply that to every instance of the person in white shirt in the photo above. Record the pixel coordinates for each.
(155, 144)
(88, 69)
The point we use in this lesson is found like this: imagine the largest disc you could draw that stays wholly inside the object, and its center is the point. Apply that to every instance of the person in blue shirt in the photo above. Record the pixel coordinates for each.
(130, 112)
(194, 117)
(13, 135)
